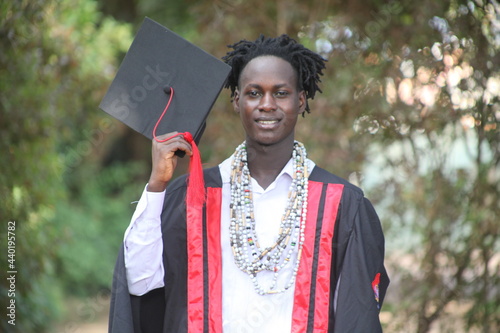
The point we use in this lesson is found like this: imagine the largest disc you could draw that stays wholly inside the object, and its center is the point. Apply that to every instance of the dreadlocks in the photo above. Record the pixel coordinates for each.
(306, 63)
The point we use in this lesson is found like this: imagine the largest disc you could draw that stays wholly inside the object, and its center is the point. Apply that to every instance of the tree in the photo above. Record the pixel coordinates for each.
(52, 71)
(429, 106)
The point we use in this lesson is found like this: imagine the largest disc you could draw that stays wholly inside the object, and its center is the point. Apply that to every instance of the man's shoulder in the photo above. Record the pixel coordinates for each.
(321, 175)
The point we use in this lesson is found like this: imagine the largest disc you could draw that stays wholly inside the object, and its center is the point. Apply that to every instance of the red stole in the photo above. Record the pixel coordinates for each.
(312, 287)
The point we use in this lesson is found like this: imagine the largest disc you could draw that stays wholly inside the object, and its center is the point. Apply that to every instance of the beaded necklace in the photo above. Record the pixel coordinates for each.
(248, 255)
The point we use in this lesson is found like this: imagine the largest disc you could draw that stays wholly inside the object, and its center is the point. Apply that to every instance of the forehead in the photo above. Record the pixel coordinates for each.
(268, 68)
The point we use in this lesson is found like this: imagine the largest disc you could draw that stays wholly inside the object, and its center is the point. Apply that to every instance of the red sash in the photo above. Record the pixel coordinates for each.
(312, 287)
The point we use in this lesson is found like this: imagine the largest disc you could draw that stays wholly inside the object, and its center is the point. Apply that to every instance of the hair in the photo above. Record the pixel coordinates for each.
(307, 64)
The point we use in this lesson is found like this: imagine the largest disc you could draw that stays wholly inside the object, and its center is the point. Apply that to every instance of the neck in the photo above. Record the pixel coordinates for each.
(266, 162)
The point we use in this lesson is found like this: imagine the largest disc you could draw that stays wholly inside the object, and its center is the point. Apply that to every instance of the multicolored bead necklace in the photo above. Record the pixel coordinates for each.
(248, 255)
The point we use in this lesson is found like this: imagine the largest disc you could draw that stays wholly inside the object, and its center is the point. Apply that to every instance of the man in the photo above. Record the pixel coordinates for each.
(280, 245)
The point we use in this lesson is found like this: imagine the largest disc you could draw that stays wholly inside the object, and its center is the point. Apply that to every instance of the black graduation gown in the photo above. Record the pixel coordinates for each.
(342, 260)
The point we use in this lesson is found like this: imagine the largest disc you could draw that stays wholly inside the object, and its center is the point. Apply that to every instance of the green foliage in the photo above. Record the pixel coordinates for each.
(51, 78)
(91, 226)
(427, 108)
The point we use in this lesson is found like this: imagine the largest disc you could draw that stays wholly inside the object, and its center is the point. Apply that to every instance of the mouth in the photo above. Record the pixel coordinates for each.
(267, 124)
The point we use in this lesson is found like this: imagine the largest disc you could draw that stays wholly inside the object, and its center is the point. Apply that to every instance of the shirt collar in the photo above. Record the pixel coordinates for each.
(225, 168)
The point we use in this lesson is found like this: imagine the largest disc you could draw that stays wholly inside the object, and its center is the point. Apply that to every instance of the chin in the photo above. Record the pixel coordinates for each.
(270, 141)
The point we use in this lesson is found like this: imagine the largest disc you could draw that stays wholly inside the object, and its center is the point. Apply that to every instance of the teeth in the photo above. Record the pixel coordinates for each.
(268, 122)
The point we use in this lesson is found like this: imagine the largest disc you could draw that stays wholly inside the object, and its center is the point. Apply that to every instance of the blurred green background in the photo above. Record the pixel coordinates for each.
(410, 111)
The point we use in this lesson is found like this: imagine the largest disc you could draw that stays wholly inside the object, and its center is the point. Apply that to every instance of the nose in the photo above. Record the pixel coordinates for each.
(267, 103)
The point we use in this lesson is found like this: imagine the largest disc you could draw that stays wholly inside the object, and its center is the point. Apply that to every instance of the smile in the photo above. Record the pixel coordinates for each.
(267, 122)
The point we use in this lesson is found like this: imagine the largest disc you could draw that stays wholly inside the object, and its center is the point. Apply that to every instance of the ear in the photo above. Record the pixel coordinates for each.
(236, 101)
(302, 101)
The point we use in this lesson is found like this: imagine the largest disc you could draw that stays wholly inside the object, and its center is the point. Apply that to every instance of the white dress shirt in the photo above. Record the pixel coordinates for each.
(243, 310)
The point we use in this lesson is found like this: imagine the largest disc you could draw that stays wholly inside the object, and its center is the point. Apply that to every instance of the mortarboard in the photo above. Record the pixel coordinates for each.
(158, 60)
(167, 84)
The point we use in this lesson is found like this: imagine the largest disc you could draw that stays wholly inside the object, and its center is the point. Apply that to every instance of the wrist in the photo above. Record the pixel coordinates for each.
(156, 186)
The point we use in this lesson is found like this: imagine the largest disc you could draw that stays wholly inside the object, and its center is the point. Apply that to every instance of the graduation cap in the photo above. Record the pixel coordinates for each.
(166, 84)
(162, 68)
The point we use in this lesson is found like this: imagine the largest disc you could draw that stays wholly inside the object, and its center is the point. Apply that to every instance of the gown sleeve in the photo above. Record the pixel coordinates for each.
(120, 312)
(361, 275)
(139, 262)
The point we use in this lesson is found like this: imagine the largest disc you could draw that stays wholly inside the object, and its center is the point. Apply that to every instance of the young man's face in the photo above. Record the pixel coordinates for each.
(268, 100)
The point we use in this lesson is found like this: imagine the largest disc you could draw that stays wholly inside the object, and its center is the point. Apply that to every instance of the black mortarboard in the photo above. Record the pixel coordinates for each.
(157, 60)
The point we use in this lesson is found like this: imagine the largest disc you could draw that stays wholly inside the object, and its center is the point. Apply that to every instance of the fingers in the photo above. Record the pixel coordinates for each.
(165, 160)
(171, 142)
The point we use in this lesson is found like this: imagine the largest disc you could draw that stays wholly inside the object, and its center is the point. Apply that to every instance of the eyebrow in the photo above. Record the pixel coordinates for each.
(279, 85)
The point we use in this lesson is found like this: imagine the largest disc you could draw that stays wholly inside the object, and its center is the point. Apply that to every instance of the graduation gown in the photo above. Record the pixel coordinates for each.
(340, 285)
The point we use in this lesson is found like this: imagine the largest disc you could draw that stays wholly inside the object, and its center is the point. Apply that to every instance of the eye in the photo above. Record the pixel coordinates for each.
(253, 93)
(281, 93)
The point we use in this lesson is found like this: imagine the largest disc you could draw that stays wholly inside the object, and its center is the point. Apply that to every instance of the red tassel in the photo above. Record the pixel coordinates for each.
(196, 184)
